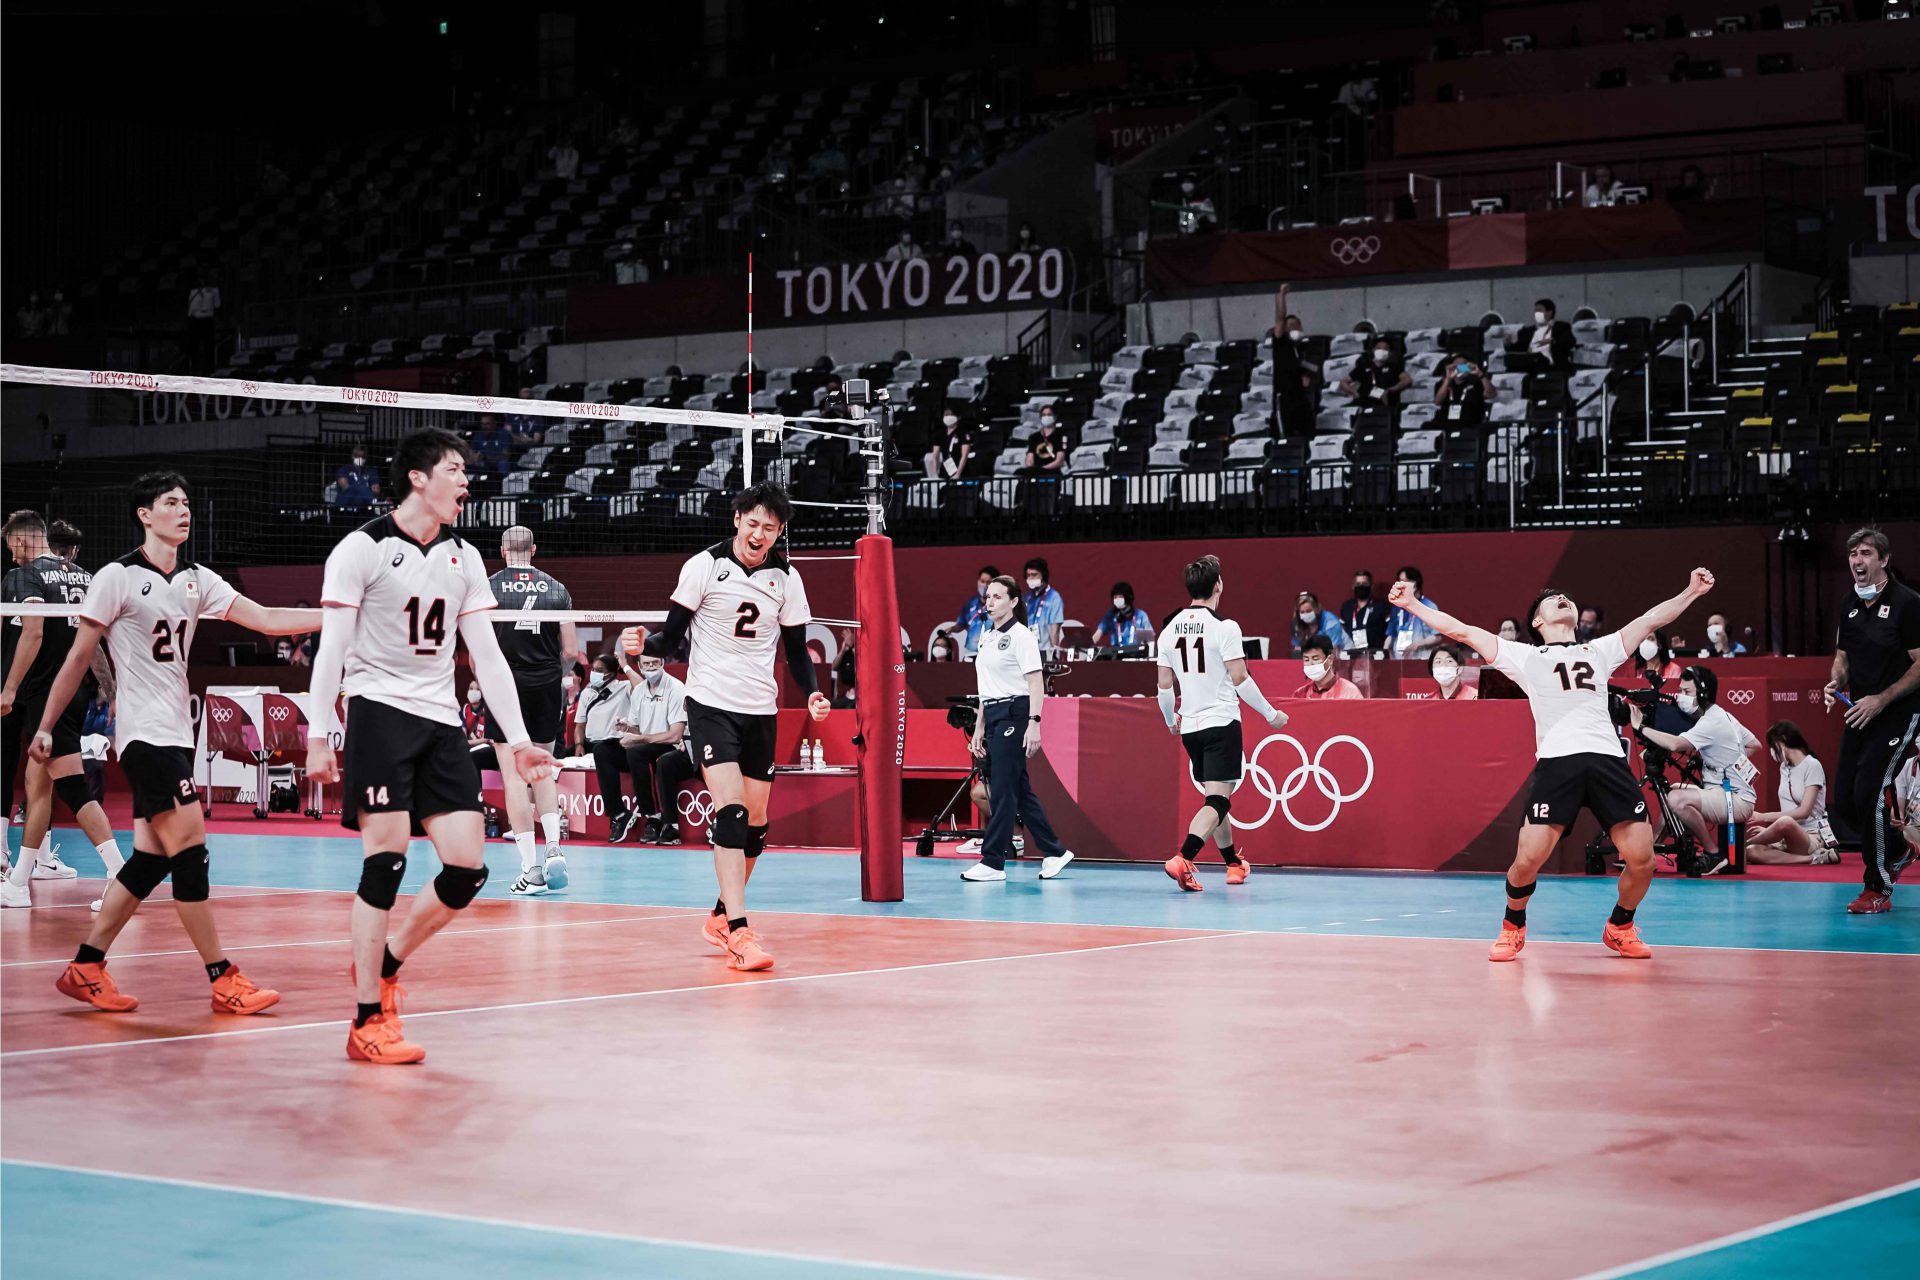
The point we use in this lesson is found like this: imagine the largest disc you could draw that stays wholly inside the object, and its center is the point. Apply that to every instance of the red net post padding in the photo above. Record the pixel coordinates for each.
(881, 721)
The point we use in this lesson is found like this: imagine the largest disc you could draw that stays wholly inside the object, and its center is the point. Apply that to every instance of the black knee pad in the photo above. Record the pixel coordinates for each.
(73, 792)
(190, 874)
(1519, 891)
(730, 829)
(757, 840)
(1221, 805)
(143, 872)
(380, 876)
(458, 886)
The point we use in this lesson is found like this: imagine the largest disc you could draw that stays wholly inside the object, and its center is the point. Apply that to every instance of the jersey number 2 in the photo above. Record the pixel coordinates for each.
(169, 641)
(1198, 664)
(426, 633)
(1581, 676)
(749, 614)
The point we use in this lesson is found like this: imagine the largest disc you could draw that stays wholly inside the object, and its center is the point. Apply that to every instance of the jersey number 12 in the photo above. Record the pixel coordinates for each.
(426, 633)
(1581, 676)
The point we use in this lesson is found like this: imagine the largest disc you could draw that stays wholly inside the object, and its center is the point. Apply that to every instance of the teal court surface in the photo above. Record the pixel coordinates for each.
(1314, 1074)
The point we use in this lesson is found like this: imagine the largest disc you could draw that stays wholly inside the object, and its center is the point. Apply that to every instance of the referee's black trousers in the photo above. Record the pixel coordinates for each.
(1870, 759)
(1005, 731)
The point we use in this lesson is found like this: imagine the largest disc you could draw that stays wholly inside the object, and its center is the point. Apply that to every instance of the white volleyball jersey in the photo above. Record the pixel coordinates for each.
(1196, 645)
(411, 598)
(1566, 685)
(150, 619)
(737, 617)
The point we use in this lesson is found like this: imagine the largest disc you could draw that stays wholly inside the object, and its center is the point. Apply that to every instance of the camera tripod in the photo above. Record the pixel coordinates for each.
(923, 844)
(1671, 838)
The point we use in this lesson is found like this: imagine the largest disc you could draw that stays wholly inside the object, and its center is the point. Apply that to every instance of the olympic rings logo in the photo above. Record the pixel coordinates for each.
(1314, 771)
(222, 714)
(697, 807)
(1740, 697)
(276, 713)
(1348, 252)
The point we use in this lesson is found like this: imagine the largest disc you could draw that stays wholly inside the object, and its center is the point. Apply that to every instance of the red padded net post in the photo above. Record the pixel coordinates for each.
(881, 719)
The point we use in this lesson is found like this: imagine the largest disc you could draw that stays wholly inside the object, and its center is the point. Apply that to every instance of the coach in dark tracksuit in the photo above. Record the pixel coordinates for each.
(1877, 666)
(1012, 691)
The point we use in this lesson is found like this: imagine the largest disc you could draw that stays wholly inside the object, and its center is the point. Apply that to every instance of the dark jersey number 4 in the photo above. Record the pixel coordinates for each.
(1580, 676)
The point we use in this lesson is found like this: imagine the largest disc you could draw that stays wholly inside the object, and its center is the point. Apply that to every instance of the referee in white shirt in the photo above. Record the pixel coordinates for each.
(1012, 690)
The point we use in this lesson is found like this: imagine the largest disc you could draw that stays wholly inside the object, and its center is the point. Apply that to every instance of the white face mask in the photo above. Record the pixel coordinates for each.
(950, 420)
(1649, 650)
(1446, 674)
(473, 695)
(1315, 672)
(1046, 420)
(566, 686)
(1686, 702)
(1033, 584)
(1865, 590)
(1119, 605)
(1297, 335)
(653, 677)
(1716, 633)
(598, 679)
(1539, 317)
(939, 655)
(1382, 356)
(1186, 188)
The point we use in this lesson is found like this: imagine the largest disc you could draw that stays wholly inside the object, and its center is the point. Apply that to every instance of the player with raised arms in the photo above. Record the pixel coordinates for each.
(1580, 759)
(1204, 656)
(742, 602)
(396, 592)
(147, 605)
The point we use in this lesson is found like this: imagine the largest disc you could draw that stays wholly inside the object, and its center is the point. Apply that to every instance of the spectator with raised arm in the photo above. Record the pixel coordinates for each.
(1292, 379)
(1408, 635)
(1465, 391)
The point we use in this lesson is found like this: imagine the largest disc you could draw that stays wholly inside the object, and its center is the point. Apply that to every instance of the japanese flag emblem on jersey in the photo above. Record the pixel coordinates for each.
(191, 589)
(453, 562)
(1883, 610)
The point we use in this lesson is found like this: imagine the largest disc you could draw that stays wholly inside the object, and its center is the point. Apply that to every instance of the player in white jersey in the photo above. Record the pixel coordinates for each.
(743, 603)
(1580, 760)
(396, 592)
(1204, 656)
(148, 605)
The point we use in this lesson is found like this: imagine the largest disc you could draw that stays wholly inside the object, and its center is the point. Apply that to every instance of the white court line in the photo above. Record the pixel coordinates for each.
(624, 995)
(225, 897)
(1752, 1233)
(331, 942)
(469, 1219)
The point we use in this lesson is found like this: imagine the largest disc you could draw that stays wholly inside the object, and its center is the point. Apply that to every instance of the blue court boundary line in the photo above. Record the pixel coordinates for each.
(461, 1219)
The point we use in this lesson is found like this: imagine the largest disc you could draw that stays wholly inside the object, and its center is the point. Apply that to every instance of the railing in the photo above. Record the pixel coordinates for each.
(1035, 342)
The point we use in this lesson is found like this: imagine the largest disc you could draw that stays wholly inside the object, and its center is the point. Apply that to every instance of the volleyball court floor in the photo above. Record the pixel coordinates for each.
(1316, 1074)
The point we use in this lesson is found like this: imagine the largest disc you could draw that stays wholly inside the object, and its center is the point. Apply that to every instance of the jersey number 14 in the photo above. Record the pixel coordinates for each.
(427, 631)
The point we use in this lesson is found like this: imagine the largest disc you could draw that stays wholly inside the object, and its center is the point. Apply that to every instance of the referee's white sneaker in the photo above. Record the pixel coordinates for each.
(556, 869)
(528, 887)
(49, 867)
(1051, 867)
(16, 895)
(980, 872)
(971, 848)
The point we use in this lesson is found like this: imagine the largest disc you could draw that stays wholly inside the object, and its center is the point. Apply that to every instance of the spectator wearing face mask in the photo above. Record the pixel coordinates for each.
(1047, 452)
(1655, 658)
(1124, 623)
(1720, 643)
(1588, 626)
(1046, 611)
(943, 649)
(651, 725)
(1726, 792)
(1797, 833)
(1323, 678)
(948, 458)
(1464, 393)
(473, 717)
(356, 484)
(972, 621)
(1379, 378)
(1292, 379)
(1509, 629)
(1364, 617)
(1311, 621)
(1443, 664)
(956, 244)
(1408, 636)
(904, 249)
(1548, 341)
(1604, 191)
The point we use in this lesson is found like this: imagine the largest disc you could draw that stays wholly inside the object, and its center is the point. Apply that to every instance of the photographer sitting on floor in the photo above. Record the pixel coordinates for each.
(1723, 744)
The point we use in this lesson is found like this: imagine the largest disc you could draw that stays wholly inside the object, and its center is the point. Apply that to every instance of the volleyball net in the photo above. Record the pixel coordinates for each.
(616, 496)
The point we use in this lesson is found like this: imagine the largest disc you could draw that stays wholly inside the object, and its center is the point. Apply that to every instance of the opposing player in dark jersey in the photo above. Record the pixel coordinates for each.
(539, 654)
(743, 602)
(44, 577)
(399, 592)
(147, 606)
(1580, 760)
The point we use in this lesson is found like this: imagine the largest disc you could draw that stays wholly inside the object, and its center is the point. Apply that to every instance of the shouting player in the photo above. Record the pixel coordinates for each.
(46, 576)
(148, 605)
(539, 653)
(396, 592)
(1581, 762)
(742, 601)
(1204, 655)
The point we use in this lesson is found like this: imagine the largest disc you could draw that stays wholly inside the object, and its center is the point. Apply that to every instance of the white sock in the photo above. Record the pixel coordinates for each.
(23, 867)
(46, 855)
(550, 823)
(111, 855)
(523, 840)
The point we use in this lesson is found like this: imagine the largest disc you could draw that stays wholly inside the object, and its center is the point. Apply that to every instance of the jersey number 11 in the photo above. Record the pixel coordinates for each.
(1198, 664)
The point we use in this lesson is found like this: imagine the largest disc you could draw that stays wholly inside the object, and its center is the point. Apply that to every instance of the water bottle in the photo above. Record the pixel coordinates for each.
(819, 755)
(1726, 790)
(806, 755)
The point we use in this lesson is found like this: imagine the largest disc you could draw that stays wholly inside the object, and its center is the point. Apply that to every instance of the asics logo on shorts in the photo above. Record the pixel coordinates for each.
(1007, 732)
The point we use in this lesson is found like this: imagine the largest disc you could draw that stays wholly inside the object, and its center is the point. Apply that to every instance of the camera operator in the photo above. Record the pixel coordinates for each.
(1464, 393)
(1725, 793)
